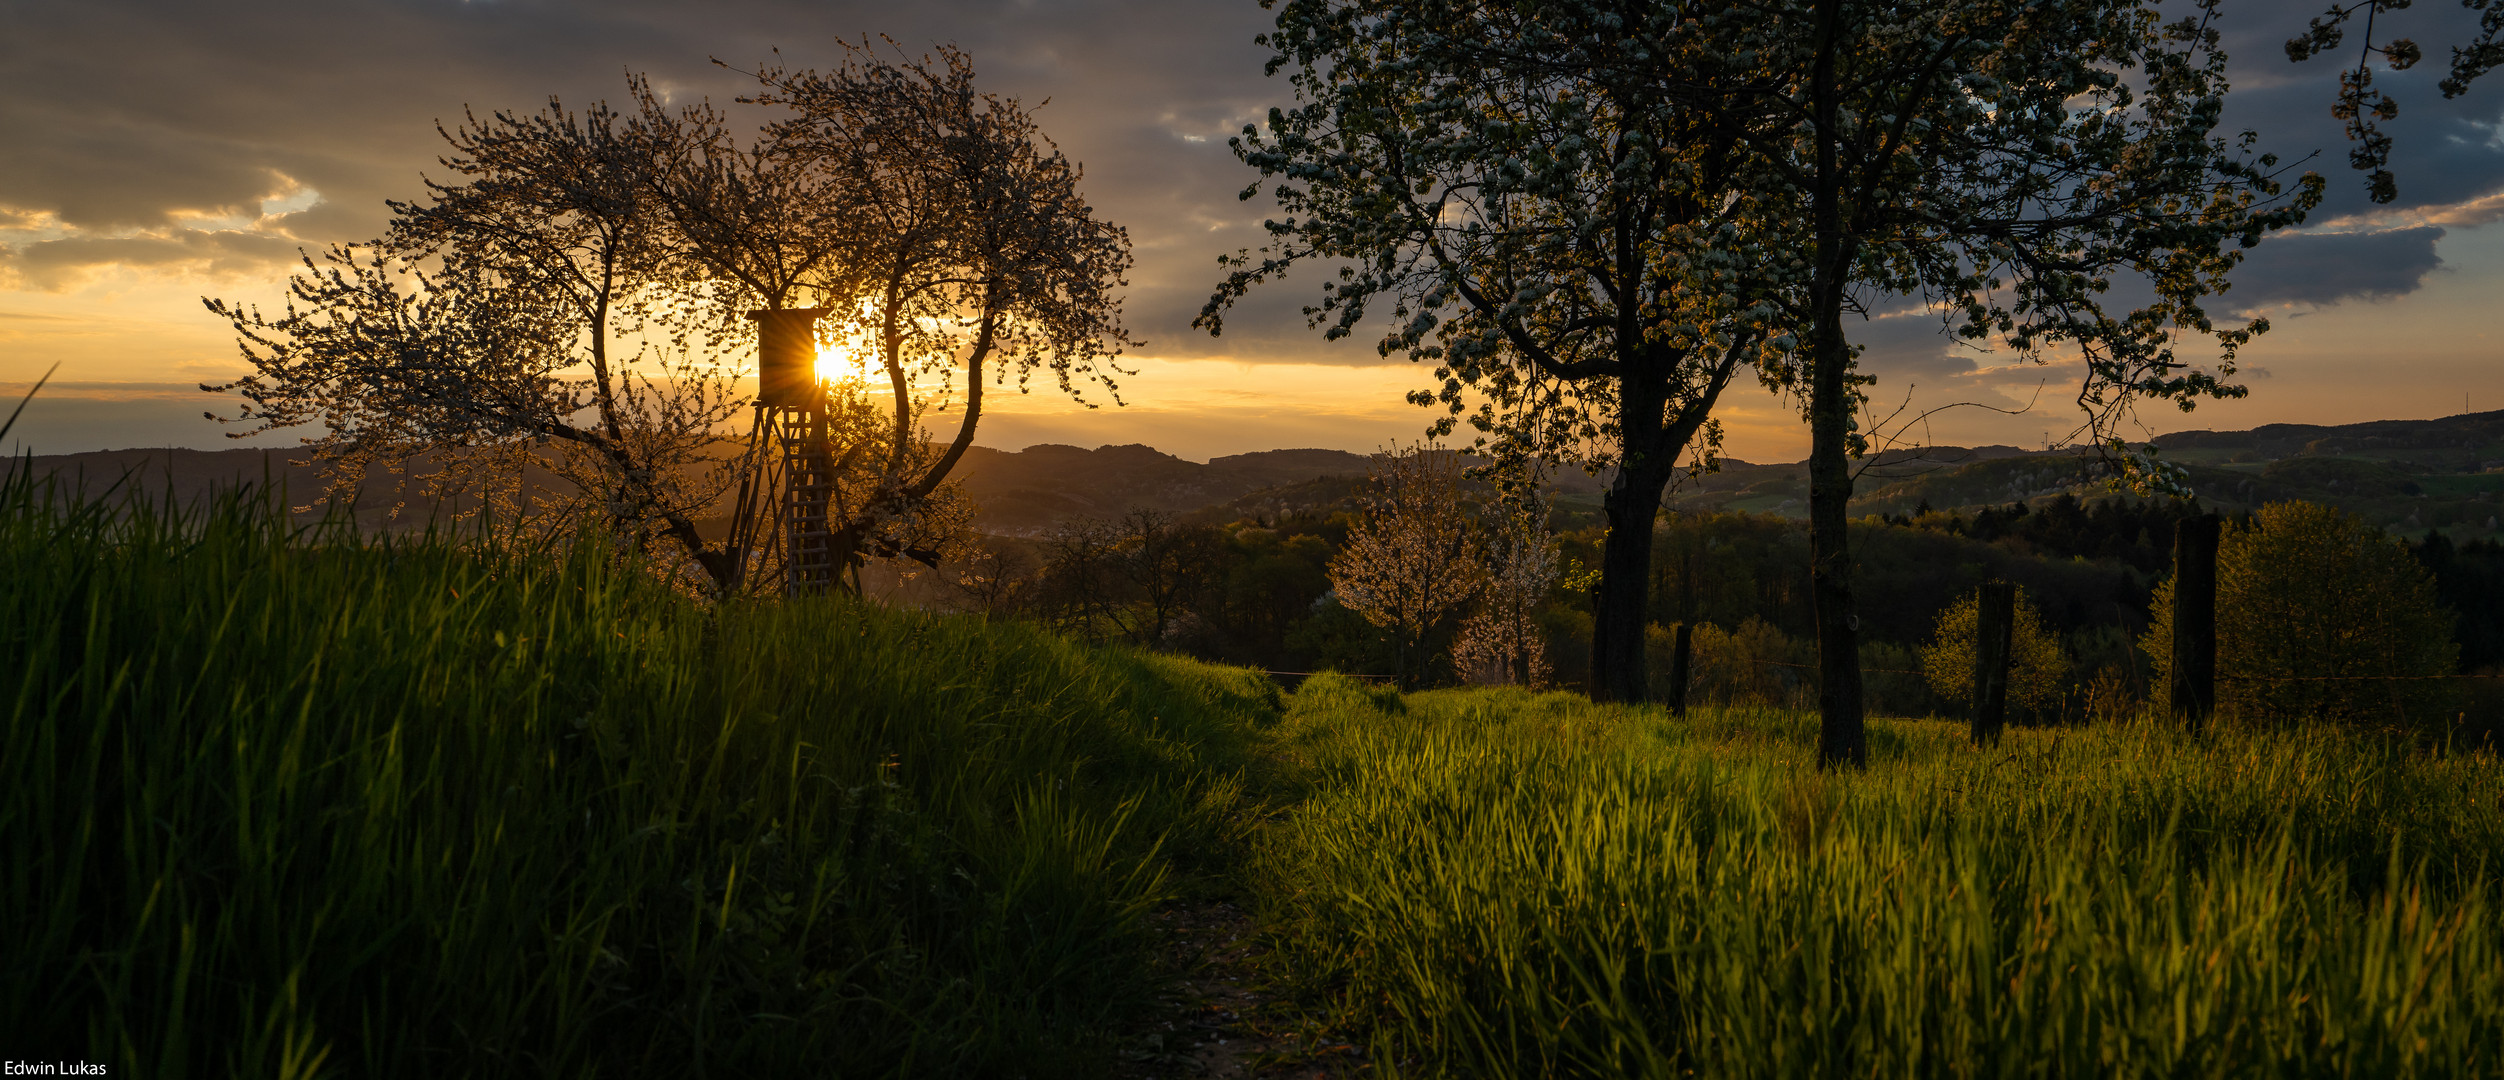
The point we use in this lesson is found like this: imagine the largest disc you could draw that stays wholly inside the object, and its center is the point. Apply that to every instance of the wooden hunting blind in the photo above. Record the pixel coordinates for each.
(789, 465)
(786, 356)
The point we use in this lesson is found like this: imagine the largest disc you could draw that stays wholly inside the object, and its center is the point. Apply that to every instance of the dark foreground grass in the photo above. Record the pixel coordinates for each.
(1496, 884)
(277, 804)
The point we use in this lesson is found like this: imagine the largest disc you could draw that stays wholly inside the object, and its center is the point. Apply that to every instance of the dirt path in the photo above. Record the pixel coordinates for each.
(1218, 1021)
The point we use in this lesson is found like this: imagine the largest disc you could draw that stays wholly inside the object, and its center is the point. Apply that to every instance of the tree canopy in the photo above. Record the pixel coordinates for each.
(1551, 225)
(481, 332)
(2000, 163)
(968, 247)
(937, 223)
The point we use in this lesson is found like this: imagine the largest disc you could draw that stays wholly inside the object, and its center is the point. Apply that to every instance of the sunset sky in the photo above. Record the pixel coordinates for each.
(156, 153)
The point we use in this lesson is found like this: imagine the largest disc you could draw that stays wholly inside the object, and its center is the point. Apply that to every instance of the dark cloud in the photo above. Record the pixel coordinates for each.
(1911, 346)
(2445, 151)
(130, 122)
(104, 174)
(2325, 268)
(1921, 364)
(54, 264)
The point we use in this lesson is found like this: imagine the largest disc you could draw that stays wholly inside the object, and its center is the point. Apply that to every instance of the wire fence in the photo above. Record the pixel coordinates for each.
(1813, 667)
(2220, 678)
(1924, 674)
(1347, 674)
(2352, 678)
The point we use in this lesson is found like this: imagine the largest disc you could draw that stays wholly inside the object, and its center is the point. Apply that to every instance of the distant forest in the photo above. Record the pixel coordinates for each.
(1252, 588)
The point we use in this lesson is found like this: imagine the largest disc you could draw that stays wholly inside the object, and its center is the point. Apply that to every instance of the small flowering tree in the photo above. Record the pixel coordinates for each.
(1501, 643)
(1415, 559)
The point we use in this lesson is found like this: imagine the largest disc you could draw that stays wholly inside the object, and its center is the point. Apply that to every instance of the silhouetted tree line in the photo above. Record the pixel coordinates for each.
(1256, 591)
(2137, 533)
(1727, 568)
(1246, 592)
(2470, 579)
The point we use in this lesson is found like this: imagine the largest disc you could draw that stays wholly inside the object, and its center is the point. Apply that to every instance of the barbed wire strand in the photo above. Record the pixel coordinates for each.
(2221, 678)
(1924, 674)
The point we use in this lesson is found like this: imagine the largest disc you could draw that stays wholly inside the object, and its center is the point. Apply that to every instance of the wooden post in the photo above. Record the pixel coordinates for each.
(2194, 689)
(1678, 669)
(1995, 622)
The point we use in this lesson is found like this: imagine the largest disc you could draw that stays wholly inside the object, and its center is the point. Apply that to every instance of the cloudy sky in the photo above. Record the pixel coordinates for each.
(158, 152)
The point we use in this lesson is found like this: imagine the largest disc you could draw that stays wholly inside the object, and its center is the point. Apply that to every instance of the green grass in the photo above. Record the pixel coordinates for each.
(2462, 485)
(294, 803)
(285, 804)
(1495, 884)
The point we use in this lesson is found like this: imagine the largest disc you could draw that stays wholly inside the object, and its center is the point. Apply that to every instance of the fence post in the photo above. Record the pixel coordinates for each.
(1683, 639)
(1995, 620)
(2194, 688)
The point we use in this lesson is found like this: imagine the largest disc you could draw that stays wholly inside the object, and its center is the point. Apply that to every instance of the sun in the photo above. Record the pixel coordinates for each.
(840, 364)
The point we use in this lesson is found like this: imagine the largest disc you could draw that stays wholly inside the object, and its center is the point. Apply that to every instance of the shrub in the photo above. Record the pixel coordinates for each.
(1757, 663)
(2319, 614)
(2036, 662)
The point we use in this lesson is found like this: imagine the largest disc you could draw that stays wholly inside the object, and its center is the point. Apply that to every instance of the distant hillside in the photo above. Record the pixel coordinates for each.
(189, 474)
(2412, 476)
(1749, 487)
(1026, 492)
(2470, 442)
(1017, 492)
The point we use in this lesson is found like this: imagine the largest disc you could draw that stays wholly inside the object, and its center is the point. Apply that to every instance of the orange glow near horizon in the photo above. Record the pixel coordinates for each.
(133, 346)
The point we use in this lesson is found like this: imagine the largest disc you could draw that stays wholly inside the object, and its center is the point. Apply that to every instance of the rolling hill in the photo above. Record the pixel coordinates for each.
(2411, 476)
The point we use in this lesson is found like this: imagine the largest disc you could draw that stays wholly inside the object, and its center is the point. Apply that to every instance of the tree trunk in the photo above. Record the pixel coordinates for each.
(1618, 616)
(1678, 678)
(2193, 692)
(1399, 658)
(721, 567)
(1842, 736)
(843, 555)
(1995, 620)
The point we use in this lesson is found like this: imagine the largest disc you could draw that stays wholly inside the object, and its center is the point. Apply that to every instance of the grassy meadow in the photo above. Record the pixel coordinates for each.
(1499, 884)
(286, 804)
(290, 802)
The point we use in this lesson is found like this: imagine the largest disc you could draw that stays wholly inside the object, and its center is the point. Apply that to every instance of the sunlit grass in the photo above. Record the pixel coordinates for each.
(1496, 884)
